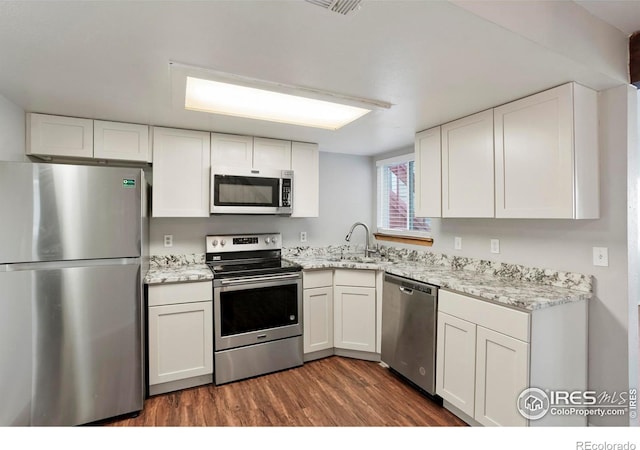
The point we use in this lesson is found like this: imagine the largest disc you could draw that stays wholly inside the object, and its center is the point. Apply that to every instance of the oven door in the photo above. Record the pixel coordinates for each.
(251, 310)
(245, 194)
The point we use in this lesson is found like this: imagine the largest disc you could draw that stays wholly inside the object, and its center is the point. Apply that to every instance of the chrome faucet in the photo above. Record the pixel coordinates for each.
(368, 251)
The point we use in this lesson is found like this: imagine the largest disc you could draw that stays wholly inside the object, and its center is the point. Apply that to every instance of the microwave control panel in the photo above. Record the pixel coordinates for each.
(286, 192)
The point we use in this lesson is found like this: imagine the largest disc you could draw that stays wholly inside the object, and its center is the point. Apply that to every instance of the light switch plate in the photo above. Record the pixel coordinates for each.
(168, 240)
(601, 256)
(495, 246)
(457, 243)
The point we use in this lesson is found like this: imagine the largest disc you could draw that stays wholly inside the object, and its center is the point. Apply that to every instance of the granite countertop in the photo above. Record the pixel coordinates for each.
(509, 284)
(177, 269)
(525, 288)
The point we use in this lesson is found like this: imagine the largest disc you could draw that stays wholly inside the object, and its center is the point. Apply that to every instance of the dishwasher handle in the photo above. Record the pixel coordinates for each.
(405, 290)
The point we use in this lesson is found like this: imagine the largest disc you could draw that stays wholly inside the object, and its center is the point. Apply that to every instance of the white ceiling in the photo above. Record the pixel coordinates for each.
(434, 60)
(622, 14)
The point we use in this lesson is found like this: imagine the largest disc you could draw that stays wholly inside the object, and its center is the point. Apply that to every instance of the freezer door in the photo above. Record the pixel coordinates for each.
(56, 212)
(85, 339)
(15, 348)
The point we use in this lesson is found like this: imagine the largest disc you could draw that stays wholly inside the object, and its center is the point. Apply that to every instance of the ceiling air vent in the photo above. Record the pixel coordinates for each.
(343, 7)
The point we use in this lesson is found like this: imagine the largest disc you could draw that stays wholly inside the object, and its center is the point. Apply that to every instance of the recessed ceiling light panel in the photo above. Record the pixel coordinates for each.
(200, 89)
(242, 101)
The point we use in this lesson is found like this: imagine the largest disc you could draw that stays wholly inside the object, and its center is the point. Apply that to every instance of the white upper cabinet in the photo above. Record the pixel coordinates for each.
(306, 179)
(121, 141)
(231, 150)
(73, 137)
(59, 136)
(467, 167)
(271, 154)
(428, 179)
(181, 166)
(547, 155)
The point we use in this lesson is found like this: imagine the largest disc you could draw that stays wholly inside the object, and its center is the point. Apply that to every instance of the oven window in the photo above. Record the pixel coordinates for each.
(257, 309)
(246, 191)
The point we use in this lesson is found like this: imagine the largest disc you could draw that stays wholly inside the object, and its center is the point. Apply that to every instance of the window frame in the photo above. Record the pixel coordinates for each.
(399, 159)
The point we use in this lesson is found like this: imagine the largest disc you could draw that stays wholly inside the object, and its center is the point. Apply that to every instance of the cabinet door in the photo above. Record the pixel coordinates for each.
(534, 156)
(354, 318)
(305, 164)
(318, 319)
(467, 167)
(502, 373)
(455, 362)
(122, 141)
(59, 136)
(180, 341)
(231, 150)
(428, 175)
(181, 172)
(271, 154)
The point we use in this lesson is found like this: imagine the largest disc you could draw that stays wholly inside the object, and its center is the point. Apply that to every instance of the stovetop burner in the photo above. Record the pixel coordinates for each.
(247, 255)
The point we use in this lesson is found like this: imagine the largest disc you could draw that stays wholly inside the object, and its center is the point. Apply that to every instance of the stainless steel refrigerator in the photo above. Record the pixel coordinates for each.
(71, 261)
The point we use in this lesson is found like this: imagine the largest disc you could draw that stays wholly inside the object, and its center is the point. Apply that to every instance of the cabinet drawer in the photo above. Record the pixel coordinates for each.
(317, 278)
(355, 277)
(171, 294)
(495, 317)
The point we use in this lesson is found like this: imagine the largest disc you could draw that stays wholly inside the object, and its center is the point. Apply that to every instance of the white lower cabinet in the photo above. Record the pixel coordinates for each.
(341, 313)
(487, 354)
(318, 319)
(180, 318)
(502, 373)
(354, 318)
(456, 362)
(354, 311)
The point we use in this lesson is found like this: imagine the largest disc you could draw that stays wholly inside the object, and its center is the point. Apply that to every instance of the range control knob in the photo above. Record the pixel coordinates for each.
(214, 243)
(223, 242)
(267, 240)
(274, 240)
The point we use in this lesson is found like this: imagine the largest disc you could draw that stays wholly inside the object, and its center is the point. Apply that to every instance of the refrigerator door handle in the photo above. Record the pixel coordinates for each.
(68, 264)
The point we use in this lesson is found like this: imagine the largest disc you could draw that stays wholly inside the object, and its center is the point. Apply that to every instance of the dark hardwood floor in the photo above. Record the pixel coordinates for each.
(330, 392)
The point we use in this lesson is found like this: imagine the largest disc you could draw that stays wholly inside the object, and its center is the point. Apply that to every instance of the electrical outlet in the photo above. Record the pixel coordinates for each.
(303, 236)
(457, 243)
(168, 240)
(495, 246)
(601, 256)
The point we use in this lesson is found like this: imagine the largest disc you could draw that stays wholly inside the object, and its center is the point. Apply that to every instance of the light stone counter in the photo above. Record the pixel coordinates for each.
(510, 284)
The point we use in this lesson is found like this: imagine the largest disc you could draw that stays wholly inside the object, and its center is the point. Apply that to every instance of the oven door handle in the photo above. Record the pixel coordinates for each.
(232, 281)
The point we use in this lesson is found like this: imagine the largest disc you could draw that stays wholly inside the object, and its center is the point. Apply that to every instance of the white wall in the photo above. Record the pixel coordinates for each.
(12, 131)
(567, 245)
(345, 198)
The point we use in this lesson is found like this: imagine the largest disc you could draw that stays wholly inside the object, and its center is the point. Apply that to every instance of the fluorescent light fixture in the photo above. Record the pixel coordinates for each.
(243, 101)
(202, 89)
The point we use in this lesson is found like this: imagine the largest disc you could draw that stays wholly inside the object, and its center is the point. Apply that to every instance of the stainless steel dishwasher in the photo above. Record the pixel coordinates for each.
(409, 312)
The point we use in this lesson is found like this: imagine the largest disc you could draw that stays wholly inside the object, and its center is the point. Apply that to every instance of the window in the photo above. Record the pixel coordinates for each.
(396, 198)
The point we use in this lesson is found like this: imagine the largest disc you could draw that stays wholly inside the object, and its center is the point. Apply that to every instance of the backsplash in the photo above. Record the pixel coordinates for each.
(159, 261)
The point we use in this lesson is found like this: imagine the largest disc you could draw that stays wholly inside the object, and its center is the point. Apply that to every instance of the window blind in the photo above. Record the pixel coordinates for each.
(396, 196)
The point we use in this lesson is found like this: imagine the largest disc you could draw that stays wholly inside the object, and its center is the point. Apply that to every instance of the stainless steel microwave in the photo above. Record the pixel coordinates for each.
(251, 191)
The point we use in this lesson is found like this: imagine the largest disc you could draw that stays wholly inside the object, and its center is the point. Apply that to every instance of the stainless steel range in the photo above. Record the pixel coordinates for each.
(257, 306)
